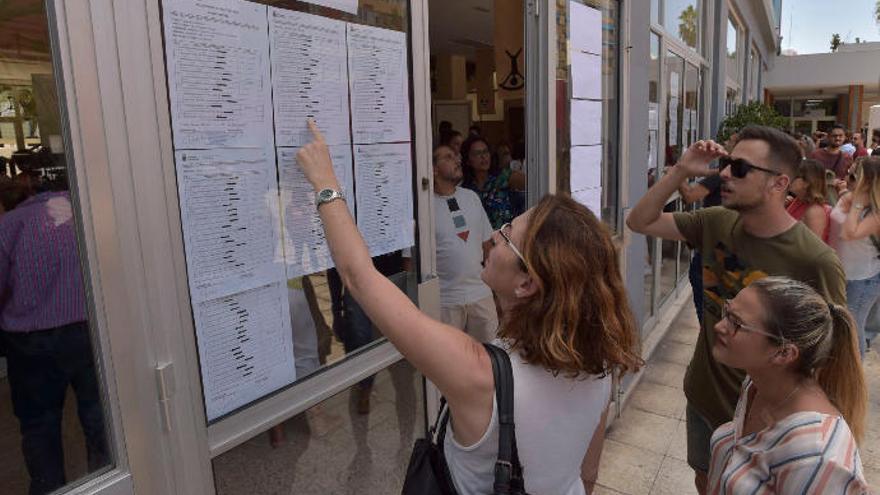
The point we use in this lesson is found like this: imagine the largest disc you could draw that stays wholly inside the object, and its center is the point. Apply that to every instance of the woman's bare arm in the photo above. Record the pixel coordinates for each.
(456, 363)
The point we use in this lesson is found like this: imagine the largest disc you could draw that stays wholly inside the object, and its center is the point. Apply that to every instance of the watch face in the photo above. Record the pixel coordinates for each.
(325, 194)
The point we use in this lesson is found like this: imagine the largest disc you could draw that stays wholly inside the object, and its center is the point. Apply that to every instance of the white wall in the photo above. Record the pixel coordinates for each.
(823, 70)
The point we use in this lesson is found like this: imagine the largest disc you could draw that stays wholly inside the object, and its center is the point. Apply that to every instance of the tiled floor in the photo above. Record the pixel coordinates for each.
(645, 450)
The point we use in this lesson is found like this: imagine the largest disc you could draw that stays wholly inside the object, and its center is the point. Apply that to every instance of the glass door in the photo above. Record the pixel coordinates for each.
(58, 419)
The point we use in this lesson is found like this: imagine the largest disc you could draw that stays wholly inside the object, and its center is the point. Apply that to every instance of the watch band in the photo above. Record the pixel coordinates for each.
(326, 196)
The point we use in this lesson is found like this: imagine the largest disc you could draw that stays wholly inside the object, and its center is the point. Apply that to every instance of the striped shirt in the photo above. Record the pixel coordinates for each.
(41, 283)
(805, 453)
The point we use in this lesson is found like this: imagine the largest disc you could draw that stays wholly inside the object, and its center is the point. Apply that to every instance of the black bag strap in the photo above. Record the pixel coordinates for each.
(508, 470)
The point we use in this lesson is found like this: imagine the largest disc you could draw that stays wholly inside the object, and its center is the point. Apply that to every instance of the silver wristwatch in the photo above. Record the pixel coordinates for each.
(326, 196)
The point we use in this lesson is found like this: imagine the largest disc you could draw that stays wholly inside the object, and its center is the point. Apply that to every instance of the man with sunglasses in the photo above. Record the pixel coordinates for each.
(463, 235)
(749, 237)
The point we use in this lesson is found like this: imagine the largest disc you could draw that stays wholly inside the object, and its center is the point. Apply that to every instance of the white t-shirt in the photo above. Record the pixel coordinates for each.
(554, 416)
(460, 236)
(858, 257)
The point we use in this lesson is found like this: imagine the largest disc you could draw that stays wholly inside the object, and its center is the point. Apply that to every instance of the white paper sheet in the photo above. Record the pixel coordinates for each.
(383, 174)
(591, 198)
(305, 247)
(245, 347)
(350, 6)
(586, 167)
(586, 75)
(653, 116)
(379, 80)
(585, 28)
(652, 149)
(231, 226)
(309, 77)
(586, 122)
(218, 74)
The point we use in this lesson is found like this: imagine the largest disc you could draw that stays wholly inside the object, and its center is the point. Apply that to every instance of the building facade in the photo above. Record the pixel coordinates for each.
(666, 72)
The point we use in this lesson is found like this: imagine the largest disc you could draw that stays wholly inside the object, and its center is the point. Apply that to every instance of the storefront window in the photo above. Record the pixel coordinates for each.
(692, 105)
(654, 148)
(54, 423)
(734, 64)
(782, 106)
(674, 108)
(683, 19)
(589, 161)
(754, 71)
(269, 310)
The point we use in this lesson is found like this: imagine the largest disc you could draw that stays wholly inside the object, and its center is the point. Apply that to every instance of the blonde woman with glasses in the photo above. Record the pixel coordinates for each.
(802, 408)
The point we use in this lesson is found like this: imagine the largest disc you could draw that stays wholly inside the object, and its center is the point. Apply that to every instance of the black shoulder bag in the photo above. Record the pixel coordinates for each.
(428, 474)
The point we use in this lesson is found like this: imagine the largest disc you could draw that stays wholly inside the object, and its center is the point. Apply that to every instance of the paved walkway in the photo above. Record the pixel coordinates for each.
(645, 450)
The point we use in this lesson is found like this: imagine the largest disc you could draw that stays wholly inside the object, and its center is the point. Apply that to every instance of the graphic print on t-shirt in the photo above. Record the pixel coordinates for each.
(458, 220)
(724, 275)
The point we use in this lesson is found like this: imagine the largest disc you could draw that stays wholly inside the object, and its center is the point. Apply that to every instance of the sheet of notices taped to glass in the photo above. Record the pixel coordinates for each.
(243, 78)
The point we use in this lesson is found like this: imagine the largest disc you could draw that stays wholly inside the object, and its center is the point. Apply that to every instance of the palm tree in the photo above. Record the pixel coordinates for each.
(835, 41)
(877, 12)
(687, 27)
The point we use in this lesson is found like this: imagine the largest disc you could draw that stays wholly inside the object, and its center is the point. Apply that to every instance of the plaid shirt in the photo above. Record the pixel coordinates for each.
(41, 283)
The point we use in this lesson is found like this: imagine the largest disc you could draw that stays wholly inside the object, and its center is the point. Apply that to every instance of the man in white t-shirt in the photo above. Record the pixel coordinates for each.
(462, 232)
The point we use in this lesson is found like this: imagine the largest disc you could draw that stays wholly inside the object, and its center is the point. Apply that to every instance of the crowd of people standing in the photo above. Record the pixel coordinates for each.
(775, 389)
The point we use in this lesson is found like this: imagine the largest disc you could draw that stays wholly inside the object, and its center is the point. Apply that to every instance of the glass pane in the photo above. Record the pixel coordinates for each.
(648, 309)
(52, 400)
(668, 262)
(682, 18)
(733, 52)
(674, 107)
(481, 90)
(268, 307)
(731, 101)
(333, 447)
(575, 155)
(684, 252)
(654, 110)
(655, 11)
(782, 106)
(692, 105)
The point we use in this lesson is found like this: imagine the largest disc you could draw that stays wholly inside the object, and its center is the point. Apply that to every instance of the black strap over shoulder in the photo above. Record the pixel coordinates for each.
(508, 470)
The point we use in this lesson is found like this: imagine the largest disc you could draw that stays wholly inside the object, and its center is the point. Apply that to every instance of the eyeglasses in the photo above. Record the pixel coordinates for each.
(738, 325)
(506, 236)
(740, 167)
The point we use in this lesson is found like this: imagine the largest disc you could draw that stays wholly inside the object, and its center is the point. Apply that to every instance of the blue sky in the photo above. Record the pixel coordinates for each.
(807, 25)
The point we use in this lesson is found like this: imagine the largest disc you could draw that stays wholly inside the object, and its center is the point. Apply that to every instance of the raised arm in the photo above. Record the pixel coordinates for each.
(647, 217)
(855, 227)
(455, 362)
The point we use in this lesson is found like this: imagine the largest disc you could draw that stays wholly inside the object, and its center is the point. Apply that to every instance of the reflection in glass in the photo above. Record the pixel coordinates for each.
(692, 105)
(653, 109)
(682, 19)
(331, 448)
(52, 427)
(733, 61)
(674, 107)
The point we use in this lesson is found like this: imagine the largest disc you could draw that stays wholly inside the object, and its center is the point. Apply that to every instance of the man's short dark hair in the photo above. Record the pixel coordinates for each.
(837, 126)
(784, 150)
(435, 150)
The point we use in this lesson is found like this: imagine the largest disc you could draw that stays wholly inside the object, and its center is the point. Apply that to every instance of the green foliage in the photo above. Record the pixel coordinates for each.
(754, 113)
(687, 27)
(835, 42)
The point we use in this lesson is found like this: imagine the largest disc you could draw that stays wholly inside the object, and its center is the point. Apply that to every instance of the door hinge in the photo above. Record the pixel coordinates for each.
(165, 383)
(533, 7)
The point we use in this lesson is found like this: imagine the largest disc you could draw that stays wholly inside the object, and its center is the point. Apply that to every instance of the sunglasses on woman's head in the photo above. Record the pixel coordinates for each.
(740, 167)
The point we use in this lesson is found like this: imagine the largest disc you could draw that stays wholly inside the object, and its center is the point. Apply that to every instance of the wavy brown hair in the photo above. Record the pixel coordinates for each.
(579, 320)
(813, 173)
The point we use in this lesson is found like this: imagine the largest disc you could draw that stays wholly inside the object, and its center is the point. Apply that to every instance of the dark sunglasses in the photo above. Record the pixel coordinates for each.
(740, 167)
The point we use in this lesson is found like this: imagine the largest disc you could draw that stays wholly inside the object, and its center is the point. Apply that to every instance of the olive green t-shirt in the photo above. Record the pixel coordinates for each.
(732, 259)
